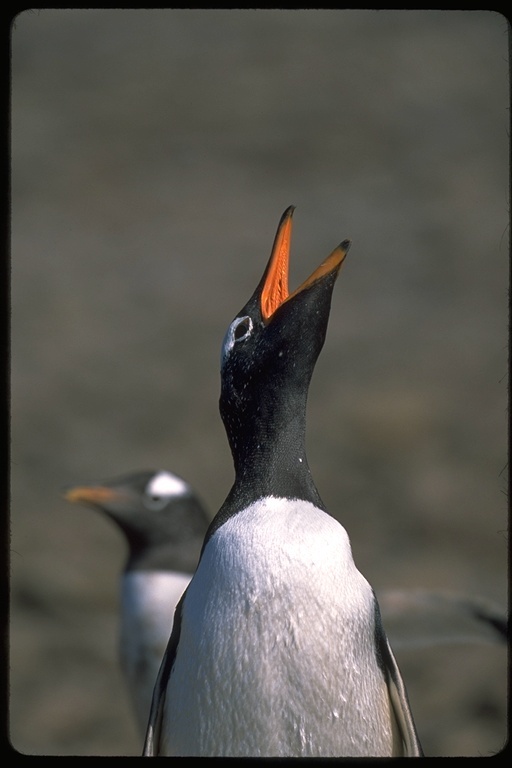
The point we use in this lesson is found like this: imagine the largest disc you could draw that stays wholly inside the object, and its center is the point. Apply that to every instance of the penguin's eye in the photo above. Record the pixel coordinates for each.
(242, 329)
(155, 502)
(239, 330)
(161, 488)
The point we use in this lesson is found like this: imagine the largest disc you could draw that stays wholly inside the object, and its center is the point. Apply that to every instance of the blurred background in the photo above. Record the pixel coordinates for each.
(153, 152)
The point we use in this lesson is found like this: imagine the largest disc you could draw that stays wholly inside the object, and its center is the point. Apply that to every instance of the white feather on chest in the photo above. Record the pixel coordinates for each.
(276, 653)
(148, 601)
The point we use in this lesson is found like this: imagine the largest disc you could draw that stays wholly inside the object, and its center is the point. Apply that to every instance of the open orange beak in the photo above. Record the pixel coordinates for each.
(275, 292)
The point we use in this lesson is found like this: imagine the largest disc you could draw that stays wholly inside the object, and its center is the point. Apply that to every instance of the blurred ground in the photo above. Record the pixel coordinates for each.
(153, 152)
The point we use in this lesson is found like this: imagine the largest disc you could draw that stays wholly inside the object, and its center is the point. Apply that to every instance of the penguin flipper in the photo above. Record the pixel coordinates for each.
(408, 744)
(401, 708)
(154, 729)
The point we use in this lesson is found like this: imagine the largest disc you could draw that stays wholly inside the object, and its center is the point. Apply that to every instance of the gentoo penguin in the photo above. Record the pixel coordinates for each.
(164, 523)
(277, 647)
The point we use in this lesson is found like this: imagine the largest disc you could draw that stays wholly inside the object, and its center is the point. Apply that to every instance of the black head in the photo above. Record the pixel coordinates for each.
(161, 517)
(268, 357)
(271, 347)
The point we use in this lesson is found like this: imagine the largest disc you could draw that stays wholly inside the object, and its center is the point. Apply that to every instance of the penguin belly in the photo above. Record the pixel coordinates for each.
(148, 600)
(276, 655)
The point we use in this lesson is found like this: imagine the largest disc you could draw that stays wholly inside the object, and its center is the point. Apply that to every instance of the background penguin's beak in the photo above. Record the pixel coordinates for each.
(95, 495)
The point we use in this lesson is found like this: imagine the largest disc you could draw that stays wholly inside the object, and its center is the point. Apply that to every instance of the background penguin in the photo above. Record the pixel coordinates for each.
(277, 647)
(420, 618)
(164, 523)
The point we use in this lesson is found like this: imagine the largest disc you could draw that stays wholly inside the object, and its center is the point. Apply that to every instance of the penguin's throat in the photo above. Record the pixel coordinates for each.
(274, 464)
(268, 440)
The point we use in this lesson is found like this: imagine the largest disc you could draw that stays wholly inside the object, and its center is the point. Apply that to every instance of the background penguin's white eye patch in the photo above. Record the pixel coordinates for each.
(240, 329)
(162, 487)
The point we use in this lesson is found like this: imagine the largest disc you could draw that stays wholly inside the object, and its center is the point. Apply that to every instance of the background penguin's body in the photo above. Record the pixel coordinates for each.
(277, 647)
(164, 524)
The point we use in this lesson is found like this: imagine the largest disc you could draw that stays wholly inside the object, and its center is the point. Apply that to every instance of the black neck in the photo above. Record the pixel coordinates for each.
(269, 452)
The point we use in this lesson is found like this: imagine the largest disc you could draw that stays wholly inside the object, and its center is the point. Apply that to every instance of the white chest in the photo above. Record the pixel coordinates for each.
(276, 654)
(148, 601)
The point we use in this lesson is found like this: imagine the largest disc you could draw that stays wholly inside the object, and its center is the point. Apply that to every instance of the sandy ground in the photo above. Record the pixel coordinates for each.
(153, 153)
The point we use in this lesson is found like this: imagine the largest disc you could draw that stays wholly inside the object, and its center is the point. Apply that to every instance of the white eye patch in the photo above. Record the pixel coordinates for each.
(164, 486)
(239, 330)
